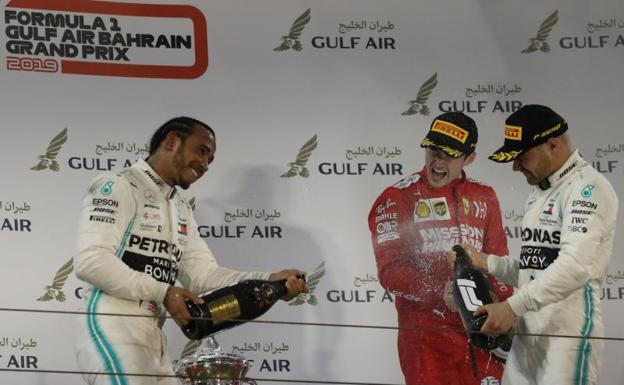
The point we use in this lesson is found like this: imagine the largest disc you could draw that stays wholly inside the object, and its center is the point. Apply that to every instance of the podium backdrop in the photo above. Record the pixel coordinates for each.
(349, 85)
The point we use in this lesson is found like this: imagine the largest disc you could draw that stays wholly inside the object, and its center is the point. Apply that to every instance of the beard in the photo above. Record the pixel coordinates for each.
(179, 165)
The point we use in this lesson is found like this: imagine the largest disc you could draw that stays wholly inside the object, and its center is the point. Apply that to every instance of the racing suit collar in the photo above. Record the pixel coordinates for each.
(556, 177)
(154, 179)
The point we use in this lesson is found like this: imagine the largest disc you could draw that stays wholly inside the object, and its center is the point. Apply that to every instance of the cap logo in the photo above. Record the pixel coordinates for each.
(513, 132)
(449, 129)
(547, 132)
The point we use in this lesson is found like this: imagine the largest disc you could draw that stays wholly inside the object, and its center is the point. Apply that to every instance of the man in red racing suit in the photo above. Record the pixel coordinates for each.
(414, 224)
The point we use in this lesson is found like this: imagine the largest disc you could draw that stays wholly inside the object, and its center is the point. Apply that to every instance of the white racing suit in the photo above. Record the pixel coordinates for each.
(136, 236)
(567, 237)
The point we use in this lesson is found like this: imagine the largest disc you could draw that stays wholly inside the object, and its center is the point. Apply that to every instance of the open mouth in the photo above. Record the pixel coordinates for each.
(438, 173)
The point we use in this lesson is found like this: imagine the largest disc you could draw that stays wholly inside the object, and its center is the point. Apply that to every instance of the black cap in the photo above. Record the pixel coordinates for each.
(526, 128)
(455, 133)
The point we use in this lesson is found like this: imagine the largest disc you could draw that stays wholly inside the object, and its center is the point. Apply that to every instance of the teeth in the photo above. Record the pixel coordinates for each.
(194, 172)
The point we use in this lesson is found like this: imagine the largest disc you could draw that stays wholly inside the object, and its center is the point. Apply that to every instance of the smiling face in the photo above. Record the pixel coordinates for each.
(191, 157)
(442, 168)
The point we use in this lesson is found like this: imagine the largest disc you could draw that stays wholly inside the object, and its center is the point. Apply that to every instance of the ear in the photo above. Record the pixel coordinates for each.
(470, 158)
(171, 142)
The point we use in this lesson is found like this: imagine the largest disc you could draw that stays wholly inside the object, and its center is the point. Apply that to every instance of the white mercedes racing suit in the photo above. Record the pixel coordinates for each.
(137, 236)
(567, 237)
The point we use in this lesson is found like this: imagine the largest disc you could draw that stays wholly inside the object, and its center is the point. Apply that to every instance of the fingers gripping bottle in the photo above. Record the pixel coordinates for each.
(472, 289)
(232, 305)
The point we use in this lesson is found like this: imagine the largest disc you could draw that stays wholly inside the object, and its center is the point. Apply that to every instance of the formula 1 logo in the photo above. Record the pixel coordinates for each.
(469, 296)
(418, 105)
(539, 43)
(106, 38)
(48, 160)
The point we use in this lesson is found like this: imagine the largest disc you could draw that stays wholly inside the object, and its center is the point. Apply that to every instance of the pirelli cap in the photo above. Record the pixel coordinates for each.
(526, 128)
(455, 133)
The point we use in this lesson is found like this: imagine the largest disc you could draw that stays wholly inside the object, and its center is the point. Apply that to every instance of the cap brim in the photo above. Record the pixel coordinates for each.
(427, 143)
(505, 154)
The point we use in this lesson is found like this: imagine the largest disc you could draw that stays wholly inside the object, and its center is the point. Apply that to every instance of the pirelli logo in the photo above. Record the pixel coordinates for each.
(513, 132)
(449, 129)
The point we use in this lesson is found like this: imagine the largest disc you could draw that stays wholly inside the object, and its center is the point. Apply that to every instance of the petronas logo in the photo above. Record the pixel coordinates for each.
(539, 43)
(298, 167)
(419, 105)
(49, 159)
(313, 279)
(55, 290)
(291, 41)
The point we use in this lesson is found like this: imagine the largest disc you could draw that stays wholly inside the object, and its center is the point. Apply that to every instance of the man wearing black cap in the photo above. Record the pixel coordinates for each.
(567, 237)
(414, 224)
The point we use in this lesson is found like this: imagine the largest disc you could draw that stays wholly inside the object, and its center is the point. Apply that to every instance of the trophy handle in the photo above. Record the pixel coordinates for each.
(249, 381)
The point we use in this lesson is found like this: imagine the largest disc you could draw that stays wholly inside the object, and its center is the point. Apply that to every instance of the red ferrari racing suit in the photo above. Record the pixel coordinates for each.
(413, 226)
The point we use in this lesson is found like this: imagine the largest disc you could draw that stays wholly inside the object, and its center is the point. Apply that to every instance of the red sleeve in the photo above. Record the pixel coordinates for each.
(389, 223)
(495, 241)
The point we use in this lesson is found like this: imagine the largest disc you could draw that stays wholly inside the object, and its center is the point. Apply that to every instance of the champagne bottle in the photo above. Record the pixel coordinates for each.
(471, 289)
(232, 305)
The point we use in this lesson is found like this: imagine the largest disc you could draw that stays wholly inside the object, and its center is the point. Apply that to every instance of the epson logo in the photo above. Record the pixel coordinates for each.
(583, 203)
(105, 202)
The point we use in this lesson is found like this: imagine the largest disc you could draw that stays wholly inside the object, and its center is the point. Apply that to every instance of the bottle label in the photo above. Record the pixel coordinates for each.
(224, 309)
(467, 291)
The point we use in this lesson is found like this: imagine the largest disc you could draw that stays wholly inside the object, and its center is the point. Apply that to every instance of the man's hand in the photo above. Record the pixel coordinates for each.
(500, 320)
(477, 258)
(294, 284)
(174, 302)
(449, 301)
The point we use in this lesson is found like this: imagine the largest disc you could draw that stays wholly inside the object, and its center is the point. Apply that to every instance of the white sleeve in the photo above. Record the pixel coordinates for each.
(586, 242)
(504, 268)
(106, 219)
(199, 271)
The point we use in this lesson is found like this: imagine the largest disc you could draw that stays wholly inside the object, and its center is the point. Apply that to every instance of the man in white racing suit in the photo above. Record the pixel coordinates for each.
(567, 237)
(137, 236)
